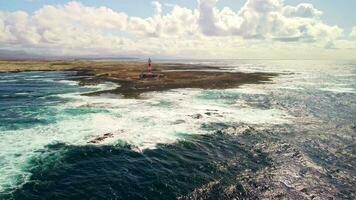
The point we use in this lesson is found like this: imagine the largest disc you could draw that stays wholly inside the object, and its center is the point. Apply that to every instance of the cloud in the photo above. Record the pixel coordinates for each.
(15, 29)
(353, 32)
(180, 22)
(266, 19)
(304, 10)
(74, 28)
(69, 26)
(158, 7)
(208, 17)
(78, 15)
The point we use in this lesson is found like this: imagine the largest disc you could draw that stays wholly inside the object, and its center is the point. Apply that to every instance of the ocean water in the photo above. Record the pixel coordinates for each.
(180, 143)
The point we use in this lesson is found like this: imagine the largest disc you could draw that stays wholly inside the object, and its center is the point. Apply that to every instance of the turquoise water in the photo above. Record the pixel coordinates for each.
(27, 98)
(159, 149)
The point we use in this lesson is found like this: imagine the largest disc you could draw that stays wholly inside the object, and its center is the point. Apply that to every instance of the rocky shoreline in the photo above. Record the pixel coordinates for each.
(126, 74)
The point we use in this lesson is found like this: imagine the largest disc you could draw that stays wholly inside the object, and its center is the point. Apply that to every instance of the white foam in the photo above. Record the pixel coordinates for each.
(290, 88)
(7, 81)
(145, 123)
(69, 82)
(103, 86)
(339, 89)
(249, 89)
(160, 117)
(142, 123)
(22, 93)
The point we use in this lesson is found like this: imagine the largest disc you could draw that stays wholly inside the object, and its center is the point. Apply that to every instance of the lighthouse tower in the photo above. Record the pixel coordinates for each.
(149, 75)
(149, 67)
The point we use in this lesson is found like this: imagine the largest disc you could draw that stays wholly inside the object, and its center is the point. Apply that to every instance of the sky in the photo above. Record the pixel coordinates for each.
(226, 29)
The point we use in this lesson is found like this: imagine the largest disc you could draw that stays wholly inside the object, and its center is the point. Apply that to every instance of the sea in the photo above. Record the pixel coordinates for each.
(291, 137)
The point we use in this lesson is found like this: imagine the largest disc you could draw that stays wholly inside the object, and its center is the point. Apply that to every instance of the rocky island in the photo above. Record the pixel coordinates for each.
(126, 74)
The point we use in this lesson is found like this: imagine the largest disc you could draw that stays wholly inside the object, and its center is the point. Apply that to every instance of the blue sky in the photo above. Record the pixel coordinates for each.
(335, 12)
(305, 29)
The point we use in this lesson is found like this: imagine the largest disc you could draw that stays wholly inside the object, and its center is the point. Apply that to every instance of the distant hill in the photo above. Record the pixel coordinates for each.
(17, 55)
(6, 54)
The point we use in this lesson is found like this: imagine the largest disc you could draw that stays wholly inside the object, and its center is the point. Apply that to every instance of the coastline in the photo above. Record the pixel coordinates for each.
(126, 74)
(260, 141)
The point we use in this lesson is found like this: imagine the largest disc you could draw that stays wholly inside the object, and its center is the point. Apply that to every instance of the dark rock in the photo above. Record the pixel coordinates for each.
(180, 121)
(304, 190)
(196, 116)
(101, 138)
(208, 113)
(150, 76)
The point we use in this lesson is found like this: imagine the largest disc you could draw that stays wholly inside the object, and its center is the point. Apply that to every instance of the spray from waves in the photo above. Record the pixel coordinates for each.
(39, 118)
(108, 172)
(166, 117)
(163, 117)
(339, 90)
(158, 118)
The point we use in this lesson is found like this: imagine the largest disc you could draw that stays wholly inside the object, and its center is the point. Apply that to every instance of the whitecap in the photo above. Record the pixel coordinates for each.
(69, 82)
(339, 90)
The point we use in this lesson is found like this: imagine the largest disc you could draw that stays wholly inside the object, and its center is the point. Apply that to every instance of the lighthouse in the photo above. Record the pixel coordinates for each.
(149, 75)
(149, 67)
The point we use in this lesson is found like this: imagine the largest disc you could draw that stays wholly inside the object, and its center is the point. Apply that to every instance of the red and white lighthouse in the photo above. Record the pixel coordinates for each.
(149, 67)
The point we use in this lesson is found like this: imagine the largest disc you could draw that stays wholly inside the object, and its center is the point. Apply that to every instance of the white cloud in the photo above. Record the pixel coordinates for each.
(70, 25)
(353, 32)
(16, 29)
(205, 31)
(180, 22)
(158, 7)
(267, 19)
(208, 17)
(75, 14)
(304, 10)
